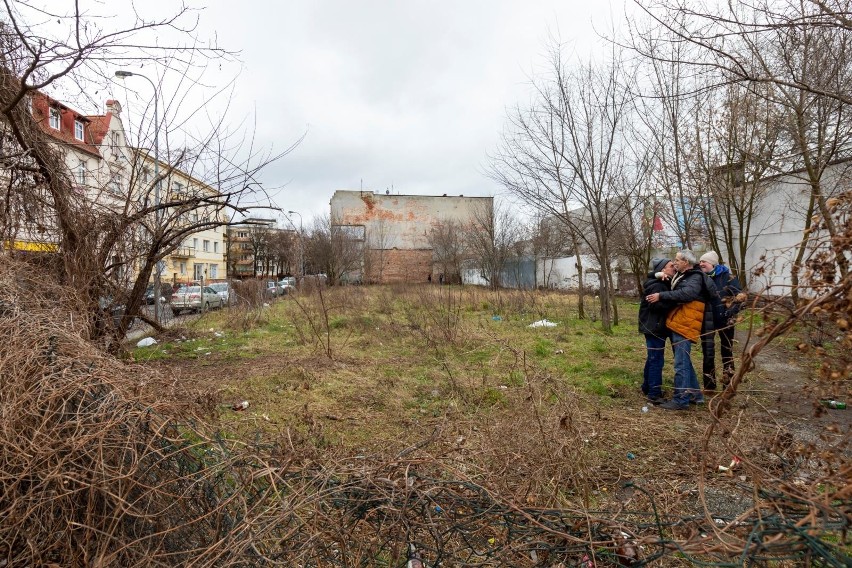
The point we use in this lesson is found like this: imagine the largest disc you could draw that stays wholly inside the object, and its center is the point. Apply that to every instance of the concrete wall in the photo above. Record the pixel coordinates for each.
(400, 221)
(778, 228)
(398, 227)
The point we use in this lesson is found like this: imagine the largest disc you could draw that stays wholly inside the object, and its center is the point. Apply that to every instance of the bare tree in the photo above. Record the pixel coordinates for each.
(446, 237)
(109, 247)
(336, 250)
(801, 50)
(492, 232)
(570, 156)
(549, 240)
(736, 143)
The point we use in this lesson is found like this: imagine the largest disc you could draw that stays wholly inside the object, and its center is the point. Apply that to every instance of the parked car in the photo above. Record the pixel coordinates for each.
(195, 298)
(272, 288)
(164, 290)
(287, 285)
(224, 291)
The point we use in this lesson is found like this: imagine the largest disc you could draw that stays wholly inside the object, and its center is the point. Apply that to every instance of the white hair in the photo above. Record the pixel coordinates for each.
(688, 256)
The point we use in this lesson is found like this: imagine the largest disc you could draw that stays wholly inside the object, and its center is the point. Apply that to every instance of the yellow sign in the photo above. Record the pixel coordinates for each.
(30, 246)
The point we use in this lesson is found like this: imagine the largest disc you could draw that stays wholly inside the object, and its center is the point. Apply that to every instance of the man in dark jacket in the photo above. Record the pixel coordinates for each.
(692, 291)
(652, 323)
(724, 315)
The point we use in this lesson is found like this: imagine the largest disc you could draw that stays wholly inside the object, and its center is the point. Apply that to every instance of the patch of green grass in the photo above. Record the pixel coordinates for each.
(493, 397)
(543, 347)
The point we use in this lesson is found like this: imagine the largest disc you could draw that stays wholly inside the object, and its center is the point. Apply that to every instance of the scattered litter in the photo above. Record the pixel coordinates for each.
(146, 342)
(626, 551)
(438, 509)
(503, 387)
(542, 323)
(631, 456)
(208, 353)
(559, 352)
(239, 406)
(497, 318)
(492, 540)
(730, 469)
(218, 334)
(644, 409)
(211, 329)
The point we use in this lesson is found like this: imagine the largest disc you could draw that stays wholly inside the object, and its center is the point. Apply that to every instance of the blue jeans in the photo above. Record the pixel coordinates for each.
(686, 386)
(652, 383)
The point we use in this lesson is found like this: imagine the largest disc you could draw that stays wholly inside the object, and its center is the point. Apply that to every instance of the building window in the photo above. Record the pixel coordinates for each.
(182, 268)
(215, 246)
(242, 234)
(177, 187)
(205, 245)
(195, 243)
(198, 271)
(54, 118)
(115, 183)
(114, 142)
(81, 172)
(214, 271)
(78, 129)
(145, 175)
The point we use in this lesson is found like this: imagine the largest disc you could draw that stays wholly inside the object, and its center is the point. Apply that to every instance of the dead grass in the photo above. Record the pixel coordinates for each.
(550, 415)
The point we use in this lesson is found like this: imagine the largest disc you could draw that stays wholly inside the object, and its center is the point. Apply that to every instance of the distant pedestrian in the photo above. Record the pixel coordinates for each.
(724, 320)
(441, 278)
(652, 323)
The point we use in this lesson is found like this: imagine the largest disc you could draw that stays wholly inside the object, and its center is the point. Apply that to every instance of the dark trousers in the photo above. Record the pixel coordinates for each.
(708, 351)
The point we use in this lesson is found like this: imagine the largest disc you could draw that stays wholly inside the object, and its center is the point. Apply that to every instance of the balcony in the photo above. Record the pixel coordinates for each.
(183, 252)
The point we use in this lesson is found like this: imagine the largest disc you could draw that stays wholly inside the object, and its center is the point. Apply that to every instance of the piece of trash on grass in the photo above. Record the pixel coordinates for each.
(631, 456)
(729, 469)
(559, 352)
(239, 406)
(146, 342)
(542, 323)
(644, 409)
(497, 318)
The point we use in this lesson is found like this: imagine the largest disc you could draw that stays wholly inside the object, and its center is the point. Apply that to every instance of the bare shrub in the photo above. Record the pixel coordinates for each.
(247, 308)
(435, 314)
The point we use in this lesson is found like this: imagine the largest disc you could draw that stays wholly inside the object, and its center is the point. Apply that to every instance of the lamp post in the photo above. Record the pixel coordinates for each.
(301, 243)
(123, 74)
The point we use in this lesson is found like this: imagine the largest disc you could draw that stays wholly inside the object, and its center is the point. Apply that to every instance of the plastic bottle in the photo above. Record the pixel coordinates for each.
(836, 404)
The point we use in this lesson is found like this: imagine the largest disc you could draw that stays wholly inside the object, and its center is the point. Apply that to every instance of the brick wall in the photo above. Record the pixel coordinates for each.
(394, 265)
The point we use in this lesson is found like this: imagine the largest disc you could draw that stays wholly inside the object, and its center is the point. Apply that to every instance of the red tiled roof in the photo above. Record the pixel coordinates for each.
(99, 126)
(41, 105)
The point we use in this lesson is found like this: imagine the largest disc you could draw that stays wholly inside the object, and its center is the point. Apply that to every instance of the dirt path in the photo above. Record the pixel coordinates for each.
(791, 385)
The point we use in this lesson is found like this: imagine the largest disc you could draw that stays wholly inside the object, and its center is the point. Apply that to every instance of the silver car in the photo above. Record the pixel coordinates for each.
(224, 291)
(195, 298)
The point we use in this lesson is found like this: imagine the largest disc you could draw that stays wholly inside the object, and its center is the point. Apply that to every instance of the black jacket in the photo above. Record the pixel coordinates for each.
(652, 317)
(695, 285)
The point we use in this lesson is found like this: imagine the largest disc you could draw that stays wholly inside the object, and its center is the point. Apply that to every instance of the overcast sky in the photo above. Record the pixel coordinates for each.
(406, 96)
(402, 96)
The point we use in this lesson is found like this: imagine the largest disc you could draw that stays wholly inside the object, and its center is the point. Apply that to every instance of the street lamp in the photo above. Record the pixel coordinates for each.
(123, 74)
(301, 243)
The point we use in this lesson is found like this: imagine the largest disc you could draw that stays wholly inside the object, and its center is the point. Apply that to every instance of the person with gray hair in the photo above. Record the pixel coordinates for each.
(689, 290)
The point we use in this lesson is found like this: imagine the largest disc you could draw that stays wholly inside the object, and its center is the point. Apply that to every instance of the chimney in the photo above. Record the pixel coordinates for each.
(113, 108)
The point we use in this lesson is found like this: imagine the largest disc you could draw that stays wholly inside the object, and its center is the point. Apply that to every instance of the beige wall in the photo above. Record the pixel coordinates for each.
(396, 228)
